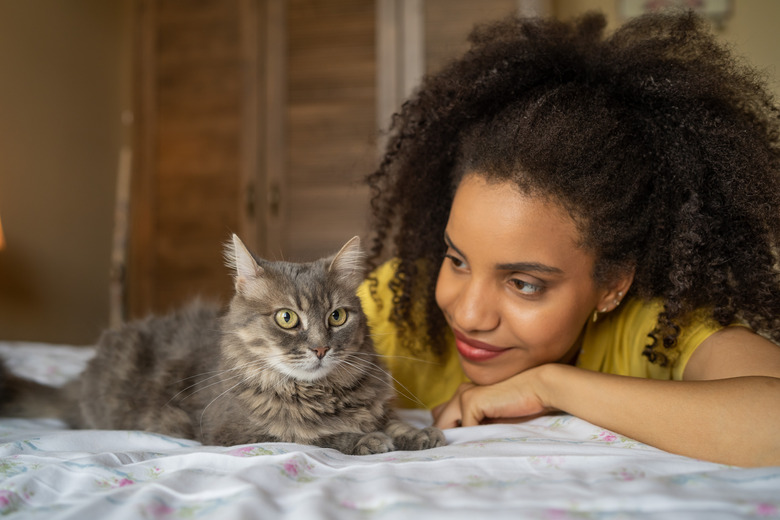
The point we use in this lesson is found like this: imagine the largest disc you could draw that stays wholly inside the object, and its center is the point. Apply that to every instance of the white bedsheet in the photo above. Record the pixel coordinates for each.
(555, 467)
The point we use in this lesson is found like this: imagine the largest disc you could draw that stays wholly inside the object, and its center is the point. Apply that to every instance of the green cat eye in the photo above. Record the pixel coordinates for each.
(338, 317)
(286, 318)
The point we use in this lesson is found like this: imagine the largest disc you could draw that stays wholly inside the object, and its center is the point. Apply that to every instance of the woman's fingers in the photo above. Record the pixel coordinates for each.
(510, 400)
(448, 415)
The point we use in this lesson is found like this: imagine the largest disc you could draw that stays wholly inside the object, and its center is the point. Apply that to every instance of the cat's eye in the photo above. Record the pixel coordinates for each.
(338, 317)
(286, 318)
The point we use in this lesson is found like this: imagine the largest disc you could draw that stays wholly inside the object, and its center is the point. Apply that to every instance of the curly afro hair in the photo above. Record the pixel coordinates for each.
(658, 142)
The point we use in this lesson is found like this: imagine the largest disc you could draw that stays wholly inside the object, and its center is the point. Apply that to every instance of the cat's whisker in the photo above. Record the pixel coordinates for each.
(219, 373)
(212, 402)
(385, 356)
(405, 393)
(271, 361)
(199, 389)
(283, 380)
(274, 362)
(233, 369)
(194, 376)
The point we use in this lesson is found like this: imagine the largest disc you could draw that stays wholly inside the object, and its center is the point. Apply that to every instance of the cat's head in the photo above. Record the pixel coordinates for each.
(302, 320)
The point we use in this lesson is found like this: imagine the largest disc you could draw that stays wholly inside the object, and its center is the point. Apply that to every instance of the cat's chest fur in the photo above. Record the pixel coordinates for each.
(305, 412)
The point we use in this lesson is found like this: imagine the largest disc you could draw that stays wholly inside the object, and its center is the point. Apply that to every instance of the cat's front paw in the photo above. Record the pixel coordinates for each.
(374, 442)
(424, 439)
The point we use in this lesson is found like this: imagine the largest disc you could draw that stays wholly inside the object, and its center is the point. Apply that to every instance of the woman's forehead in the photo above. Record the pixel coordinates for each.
(499, 204)
(496, 217)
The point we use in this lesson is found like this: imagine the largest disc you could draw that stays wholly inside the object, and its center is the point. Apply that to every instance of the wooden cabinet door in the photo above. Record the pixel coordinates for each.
(186, 188)
(254, 117)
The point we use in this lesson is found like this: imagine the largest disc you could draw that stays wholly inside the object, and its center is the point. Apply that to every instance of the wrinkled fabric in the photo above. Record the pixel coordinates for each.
(554, 467)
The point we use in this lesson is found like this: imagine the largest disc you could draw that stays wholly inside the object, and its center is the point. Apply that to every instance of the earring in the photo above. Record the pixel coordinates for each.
(595, 316)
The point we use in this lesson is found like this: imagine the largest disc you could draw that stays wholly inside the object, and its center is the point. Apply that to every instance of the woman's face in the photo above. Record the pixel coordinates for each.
(514, 286)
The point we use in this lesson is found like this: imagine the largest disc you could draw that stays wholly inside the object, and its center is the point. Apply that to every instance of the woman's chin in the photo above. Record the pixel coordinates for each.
(486, 375)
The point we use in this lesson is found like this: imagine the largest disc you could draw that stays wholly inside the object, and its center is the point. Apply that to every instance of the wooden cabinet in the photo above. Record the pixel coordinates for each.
(260, 117)
(252, 116)
(186, 183)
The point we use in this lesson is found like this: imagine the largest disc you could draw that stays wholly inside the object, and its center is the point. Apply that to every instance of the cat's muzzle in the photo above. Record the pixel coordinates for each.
(319, 351)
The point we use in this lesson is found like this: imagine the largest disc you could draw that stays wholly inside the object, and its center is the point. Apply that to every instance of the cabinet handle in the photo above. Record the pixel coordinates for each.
(274, 199)
(249, 200)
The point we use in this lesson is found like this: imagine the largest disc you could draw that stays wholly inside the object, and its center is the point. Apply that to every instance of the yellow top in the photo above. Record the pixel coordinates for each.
(612, 345)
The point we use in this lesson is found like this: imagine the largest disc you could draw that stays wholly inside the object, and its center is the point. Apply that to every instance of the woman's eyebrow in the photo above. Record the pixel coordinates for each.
(512, 266)
(529, 266)
(448, 241)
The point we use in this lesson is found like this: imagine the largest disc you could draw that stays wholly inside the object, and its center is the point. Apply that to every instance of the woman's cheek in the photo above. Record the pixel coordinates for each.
(444, 290)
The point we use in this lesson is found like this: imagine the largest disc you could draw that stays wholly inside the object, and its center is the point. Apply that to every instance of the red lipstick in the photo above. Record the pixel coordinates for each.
(473, 350)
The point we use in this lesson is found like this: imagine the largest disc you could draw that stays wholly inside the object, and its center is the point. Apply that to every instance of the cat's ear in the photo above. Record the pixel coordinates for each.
(241, 261)
(347, 265)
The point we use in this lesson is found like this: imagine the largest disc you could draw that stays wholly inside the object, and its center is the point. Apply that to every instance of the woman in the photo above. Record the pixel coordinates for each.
(604, 216)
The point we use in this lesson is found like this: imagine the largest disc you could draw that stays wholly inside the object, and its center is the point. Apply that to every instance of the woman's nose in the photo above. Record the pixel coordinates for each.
(476, 308)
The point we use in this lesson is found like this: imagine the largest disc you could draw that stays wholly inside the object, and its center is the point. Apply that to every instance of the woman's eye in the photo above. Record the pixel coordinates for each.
(526, 288)
(338, 317)
(456, 262)
(286, 319)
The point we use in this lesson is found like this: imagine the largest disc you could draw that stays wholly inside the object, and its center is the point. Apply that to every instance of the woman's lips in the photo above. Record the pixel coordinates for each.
(474, 350)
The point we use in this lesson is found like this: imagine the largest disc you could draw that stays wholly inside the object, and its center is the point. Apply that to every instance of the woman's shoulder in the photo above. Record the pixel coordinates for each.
(637, 316)
(375, 294)
(615, 343)
(422, 378)
(384, 273)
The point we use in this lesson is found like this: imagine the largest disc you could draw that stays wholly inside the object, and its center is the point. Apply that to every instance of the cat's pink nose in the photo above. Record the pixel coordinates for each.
(319, 351)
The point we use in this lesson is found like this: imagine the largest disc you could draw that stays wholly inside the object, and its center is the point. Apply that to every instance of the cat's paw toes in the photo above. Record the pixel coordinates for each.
(424, 439)
(375, 442)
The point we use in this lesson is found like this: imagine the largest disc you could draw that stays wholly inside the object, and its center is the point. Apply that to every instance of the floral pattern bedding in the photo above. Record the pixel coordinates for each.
(555, 467)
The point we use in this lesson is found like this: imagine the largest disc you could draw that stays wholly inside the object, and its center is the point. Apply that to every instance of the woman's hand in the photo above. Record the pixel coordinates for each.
(512, 400)
(448, 414)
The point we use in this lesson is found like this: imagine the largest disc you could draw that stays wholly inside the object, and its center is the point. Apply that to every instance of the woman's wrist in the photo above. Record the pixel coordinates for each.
(548, 381)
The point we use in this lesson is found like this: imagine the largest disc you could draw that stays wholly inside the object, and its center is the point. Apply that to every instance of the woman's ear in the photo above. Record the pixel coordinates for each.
(614, 292)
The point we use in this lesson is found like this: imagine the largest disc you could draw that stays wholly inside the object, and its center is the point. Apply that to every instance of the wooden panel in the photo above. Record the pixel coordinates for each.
(449, 22)
(199, 124)
(189, 181)
(271, 187)
(247, 96)
(332, 141)
(331, 122)
(140, 265)
(340, 215)
(198, 146)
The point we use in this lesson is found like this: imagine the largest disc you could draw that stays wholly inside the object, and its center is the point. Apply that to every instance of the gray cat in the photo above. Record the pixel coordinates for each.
(290, 360)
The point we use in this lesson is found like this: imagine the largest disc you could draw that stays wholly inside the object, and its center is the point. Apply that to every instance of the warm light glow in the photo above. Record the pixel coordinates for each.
(2, 238)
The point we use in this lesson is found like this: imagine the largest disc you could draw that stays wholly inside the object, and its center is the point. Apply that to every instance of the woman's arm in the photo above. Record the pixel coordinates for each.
(725, 411)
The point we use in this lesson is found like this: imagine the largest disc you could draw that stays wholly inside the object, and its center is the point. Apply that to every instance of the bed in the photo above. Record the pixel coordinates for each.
(554, 467)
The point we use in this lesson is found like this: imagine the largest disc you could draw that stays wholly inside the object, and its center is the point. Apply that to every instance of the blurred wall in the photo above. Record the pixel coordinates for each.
(751, 29)
(63, 81)
(753, 33)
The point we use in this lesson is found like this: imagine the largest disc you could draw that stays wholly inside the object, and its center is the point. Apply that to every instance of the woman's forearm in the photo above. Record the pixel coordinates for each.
(732, 421)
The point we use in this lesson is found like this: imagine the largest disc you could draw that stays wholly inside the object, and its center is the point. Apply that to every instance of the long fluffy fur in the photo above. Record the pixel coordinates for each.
(237, 377)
